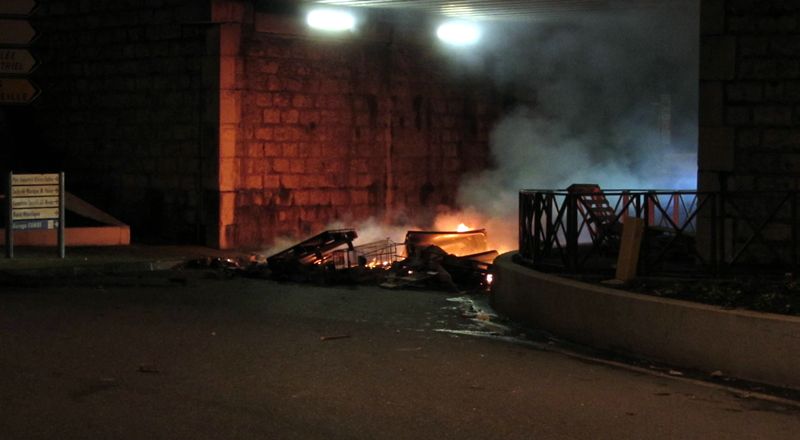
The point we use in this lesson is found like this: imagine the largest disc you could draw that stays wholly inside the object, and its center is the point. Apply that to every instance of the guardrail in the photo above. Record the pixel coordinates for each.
(687, 231)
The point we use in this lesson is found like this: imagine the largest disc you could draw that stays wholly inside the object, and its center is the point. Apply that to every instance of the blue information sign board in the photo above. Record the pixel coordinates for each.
(28, 225)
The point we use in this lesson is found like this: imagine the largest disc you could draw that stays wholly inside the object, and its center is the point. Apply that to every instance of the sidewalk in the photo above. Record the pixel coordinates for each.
(44, 263)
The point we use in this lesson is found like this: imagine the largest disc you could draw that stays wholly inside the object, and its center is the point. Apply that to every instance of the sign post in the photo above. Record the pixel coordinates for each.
(35, 201)
(61, 215)
(9, 219)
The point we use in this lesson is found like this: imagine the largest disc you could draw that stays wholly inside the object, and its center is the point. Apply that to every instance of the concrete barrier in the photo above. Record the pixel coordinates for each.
(117, 235)
(748, 345)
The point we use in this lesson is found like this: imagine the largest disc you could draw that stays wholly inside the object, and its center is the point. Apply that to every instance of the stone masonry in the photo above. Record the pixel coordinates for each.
(325, 130)
(750, 94)
(123, 109)
(750, 105)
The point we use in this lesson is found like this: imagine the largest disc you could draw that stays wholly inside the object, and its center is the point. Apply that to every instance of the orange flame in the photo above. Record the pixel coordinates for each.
(463, 228)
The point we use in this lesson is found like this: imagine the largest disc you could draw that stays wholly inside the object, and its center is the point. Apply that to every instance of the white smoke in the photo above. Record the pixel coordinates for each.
(592, 96)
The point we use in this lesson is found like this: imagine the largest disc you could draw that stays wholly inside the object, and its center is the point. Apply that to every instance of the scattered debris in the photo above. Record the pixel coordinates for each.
(450, 260)
(447, 260)
(213, 263)
(431, 266)
(451, 242)
(332, 337)
(311, 258)
(147, 368)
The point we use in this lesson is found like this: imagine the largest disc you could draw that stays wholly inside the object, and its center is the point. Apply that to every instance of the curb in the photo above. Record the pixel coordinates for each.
(753, 346)
(49, 275)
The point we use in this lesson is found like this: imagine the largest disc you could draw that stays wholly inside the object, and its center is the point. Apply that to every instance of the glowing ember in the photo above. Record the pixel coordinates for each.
(489, 278)
(463, 228)
(375, 263)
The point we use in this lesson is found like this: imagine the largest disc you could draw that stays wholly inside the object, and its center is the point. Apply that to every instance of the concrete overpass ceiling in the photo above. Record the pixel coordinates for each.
(509, 9)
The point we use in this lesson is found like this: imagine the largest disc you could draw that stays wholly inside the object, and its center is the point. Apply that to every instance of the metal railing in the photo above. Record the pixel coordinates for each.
(579, 232)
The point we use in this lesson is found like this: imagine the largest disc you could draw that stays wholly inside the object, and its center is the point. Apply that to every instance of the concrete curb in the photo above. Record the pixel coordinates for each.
(49, 275)
(754, 346)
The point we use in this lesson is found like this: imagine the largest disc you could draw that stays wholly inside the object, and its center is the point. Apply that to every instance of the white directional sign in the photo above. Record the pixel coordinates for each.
(34, 191)
(17, 7)
(35, 213)
(35, 201)
(16, 31)
(16, 61)
(35, 196)
(17, 91)
(34, 179)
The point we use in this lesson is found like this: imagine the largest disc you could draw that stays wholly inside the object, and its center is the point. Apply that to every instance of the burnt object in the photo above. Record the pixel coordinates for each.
(452, 242)
(311, 258)
(375, 255)
(470, 270)
(432, 267)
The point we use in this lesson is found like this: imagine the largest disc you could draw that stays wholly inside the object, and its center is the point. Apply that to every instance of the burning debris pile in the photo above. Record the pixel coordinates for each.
(450, 260)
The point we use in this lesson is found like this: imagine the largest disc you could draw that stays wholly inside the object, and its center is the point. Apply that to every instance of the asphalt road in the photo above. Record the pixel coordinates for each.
(230, 359)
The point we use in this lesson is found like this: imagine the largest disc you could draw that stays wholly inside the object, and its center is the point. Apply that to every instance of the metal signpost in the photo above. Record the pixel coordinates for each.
(35, 201)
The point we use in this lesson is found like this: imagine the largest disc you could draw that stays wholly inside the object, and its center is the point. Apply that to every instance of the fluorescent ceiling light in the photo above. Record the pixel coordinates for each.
(331, 20)
(459, 33)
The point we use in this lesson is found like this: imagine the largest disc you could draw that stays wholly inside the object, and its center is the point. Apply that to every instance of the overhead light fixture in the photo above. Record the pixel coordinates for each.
(332, 20)
(459, 33)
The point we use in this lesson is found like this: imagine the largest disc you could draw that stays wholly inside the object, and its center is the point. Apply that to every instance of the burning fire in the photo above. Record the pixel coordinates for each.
(501, 232)
(375, 263)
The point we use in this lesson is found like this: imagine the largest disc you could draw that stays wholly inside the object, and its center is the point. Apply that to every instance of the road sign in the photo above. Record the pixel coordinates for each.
(27, 225)
(34, 191)
(34, 179)
(35, 202)
(17, 91)
(16, 31)
(17, 7)
(35, 213)
(16, 61)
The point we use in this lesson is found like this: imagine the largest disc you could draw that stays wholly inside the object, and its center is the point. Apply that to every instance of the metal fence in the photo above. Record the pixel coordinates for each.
(686, 231)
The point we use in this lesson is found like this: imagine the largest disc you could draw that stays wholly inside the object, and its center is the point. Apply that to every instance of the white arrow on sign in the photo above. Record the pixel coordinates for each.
(16, 31)
(17, 91)
(17, 7)
(16, 61)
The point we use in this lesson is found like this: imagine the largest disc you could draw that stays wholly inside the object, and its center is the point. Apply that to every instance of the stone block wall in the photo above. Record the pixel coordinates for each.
(343, 129)
(124, 112)
(750, 95)
(750, 113)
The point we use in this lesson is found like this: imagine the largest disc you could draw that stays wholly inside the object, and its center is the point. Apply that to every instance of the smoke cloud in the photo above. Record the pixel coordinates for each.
(603, 98)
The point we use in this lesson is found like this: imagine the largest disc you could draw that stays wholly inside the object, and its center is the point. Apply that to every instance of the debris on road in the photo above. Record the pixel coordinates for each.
(333, 337)
(314, 253)
(147, 368)
(449, 260)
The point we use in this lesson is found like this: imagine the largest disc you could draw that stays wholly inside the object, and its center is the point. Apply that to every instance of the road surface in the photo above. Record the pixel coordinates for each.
(206, 358)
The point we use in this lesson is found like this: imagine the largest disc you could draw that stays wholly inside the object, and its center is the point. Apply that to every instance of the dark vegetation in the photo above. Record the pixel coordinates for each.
(758, 293)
